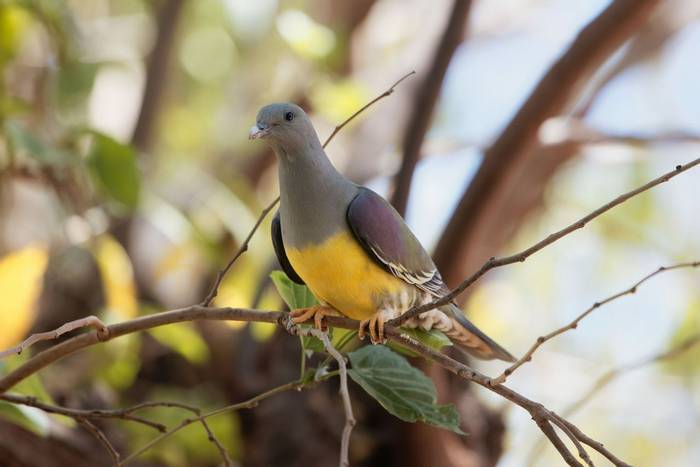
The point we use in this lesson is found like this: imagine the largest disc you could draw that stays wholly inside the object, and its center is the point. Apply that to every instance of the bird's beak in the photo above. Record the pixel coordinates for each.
(256, 131)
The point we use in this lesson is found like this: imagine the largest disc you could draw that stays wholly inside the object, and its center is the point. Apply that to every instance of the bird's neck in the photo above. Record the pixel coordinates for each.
(314, 198)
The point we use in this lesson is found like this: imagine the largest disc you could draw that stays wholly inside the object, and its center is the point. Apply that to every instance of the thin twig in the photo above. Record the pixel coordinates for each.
(386, 93)
(579, 447)
(242, 249)
(536, 410)
(344, 393)
(124, 414)
(611, 375)
(546, 427)
(102, 438)
(244, 246)
(494, 262)
(87, 322)
(574, 324)
(249, 404)
(210, 433)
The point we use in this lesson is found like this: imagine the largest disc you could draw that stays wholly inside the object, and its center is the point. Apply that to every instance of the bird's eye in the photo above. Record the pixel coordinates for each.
(289, 116)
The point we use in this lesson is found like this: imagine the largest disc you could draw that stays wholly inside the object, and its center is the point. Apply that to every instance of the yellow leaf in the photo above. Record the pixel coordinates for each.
(117, 277)
(20, 285)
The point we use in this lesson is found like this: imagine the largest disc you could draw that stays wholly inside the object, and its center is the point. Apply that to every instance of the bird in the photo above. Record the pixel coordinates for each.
(349, 246)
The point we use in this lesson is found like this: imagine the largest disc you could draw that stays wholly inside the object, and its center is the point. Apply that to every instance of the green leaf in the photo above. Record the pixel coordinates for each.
(115, 169)
(298, 296)
(22, 141)
(404, 391)
(294, 295)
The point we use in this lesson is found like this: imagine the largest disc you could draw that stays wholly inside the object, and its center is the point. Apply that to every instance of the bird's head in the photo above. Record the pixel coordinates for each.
(286, 128)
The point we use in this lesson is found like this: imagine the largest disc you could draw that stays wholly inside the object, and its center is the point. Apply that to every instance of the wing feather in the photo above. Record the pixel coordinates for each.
(385, 236)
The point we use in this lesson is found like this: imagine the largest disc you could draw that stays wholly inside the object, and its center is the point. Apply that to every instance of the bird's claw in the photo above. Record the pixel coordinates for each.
(375, 325)
(301, 315)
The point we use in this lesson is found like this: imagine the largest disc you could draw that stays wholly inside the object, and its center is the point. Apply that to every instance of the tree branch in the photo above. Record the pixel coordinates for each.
(156, 71)
(510, 152)
(344, 393)
(425, 100)
(536, 410)
(198, 312)
(573, 324)
(493, 262)
(87, 322)
(611, 375)
(386, 93)
(104, 441)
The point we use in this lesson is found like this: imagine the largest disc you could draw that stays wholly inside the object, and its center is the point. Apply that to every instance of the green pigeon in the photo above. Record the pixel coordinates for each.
(349, 245)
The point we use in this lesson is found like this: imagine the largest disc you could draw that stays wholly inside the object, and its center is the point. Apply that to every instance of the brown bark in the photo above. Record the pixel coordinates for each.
(156, 71)
(22, 448)
(467, 238)
(425, 100)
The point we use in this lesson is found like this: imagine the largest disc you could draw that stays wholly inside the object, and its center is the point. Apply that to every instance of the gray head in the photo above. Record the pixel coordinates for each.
(286, 128)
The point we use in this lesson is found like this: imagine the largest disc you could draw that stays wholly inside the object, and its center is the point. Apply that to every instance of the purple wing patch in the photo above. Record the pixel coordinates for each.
(385, 237)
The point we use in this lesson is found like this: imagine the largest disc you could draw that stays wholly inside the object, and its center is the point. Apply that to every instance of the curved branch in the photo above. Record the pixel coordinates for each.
(425, 100)
(573, 324)
(509, 153)
(493, 262)
(197, 312)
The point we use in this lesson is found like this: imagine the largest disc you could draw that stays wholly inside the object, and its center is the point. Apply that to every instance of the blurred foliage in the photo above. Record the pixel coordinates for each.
(117, 277)
(20, 285)
(115, 169)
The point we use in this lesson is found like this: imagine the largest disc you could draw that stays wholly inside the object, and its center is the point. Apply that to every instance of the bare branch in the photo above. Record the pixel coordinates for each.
(493, 262)
(573, 324)
(344, 393)
(87, 322)
(102, 438)
(425, 100)
(536, 410)
(608, 377)
(249, 404)
(124, 414)
(386, 93)
(203, 313)
(549, 431)
(242, 249)
(512, 151)
(167, 17)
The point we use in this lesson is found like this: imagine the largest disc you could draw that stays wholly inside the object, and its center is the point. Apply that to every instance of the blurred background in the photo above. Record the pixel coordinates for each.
(127, 181)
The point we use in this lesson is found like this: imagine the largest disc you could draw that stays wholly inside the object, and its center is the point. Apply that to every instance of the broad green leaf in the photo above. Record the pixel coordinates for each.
(115, 169)
(23, 142)
(297, 296)
(404, 391)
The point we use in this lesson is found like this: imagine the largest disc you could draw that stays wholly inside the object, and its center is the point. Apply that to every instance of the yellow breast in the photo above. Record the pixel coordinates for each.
(340, 272)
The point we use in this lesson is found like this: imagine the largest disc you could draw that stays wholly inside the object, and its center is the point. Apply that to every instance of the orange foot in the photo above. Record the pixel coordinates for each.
(301, 315)
(375, 325)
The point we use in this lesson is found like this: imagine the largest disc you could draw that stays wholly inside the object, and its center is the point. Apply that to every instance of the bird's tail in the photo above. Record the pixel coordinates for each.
(470, 338)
